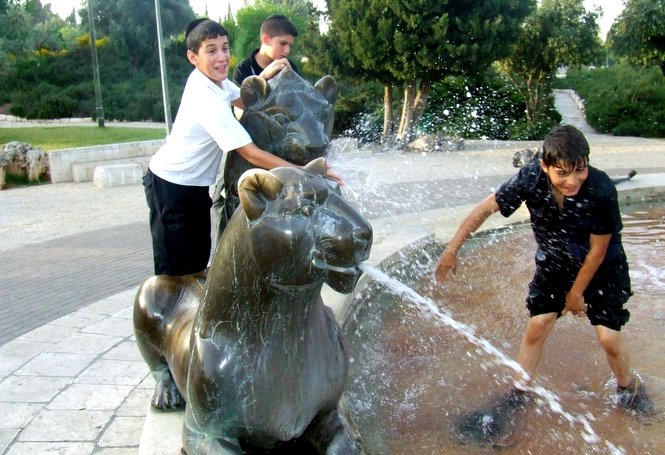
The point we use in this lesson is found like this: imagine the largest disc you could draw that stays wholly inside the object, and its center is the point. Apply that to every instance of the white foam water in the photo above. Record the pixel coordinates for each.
(550, 398)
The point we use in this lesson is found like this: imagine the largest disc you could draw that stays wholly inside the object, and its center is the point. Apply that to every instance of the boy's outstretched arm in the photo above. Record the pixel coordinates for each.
(597, 249)
(448, 259)
(266, 160)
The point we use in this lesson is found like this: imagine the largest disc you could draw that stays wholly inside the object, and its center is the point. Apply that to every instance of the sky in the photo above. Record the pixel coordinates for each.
(218, 8)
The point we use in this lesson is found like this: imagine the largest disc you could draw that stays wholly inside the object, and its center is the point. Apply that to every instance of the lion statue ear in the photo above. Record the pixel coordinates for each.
(327, 85)
(256, 187)
(317, 166)
(254, 90)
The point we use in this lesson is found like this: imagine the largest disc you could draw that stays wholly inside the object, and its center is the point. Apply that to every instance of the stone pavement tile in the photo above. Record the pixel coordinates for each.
(7, 435)
(108, 306)
(65, 425)
(91, 397)
(56, 364)
(118, 451)
(111, 326)
(147, 383)
(16, 353)
(123, 431)
(166, 439)
(78, 319)
(126, 296)
(48, 333)
(127, 350)
(19, 416)
(52, 448)
(86, 343)
(136, 404)
(127, 313)
(114, 372)
(31, 389)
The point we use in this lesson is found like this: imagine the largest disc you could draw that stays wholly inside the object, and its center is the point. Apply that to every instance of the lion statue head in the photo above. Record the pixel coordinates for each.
(301, 228)
(286, 116)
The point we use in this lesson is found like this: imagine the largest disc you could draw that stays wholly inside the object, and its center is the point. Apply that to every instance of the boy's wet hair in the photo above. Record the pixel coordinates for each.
(202, 29)
(565, 146)
(278, 25)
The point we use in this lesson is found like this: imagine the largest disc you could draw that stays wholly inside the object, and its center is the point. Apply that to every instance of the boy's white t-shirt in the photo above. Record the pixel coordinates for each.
(203, 130)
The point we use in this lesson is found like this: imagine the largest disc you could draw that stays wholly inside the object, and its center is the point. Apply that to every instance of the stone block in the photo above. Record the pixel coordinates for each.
(117, 175)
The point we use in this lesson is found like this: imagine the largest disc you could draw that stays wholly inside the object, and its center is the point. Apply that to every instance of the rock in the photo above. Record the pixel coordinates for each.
(523, 157)
(23, 160)
(436, 143)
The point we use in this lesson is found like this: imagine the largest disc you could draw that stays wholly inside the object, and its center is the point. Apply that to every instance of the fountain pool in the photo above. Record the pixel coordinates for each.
(412, 376)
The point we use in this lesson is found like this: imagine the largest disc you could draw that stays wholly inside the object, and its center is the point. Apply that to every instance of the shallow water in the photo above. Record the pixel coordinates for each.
(412, 376)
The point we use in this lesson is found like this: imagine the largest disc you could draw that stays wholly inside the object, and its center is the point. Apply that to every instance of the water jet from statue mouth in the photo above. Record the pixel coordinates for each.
(349, 270)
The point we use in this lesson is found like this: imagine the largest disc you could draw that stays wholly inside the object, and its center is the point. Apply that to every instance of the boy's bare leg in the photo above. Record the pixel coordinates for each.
(631, 391)
(538, 329)
(617, 354)
(497, 423)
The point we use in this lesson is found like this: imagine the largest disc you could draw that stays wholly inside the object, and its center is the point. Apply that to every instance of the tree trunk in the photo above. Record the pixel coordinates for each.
(420, 103)
(404, 131)
(387, 113)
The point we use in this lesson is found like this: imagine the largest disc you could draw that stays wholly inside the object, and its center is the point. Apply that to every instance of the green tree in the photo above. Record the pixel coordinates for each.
(14, 38)
(559, 32)
(132, 28)
(419, 42)
(638, 34)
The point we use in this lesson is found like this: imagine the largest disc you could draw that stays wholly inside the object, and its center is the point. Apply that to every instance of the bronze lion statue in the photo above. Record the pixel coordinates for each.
(251, 349)
(286, 116)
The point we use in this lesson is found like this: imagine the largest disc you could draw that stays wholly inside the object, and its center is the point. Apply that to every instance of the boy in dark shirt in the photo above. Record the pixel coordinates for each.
(581, 266)
(277, 37)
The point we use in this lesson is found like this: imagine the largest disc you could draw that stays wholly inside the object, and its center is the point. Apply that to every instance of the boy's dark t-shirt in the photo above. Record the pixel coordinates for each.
(563, 235)
(250, 67)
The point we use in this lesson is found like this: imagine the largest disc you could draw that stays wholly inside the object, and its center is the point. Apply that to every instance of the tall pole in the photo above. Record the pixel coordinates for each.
(95, 68)
(162, 66)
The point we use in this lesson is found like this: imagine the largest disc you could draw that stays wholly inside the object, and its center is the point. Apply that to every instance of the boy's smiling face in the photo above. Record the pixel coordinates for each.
(212, 58)
(566, 179)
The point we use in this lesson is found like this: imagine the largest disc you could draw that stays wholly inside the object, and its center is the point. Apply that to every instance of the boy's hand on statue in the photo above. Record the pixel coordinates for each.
(447, 262)
(575, 304)
(333, 175)
(275, 67)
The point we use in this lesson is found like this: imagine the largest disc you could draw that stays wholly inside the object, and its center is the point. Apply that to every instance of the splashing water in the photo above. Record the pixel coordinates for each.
(550, 398)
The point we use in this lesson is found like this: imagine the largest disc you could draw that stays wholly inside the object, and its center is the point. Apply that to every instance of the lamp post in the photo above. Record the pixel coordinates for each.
(95, 68)
(162, 66)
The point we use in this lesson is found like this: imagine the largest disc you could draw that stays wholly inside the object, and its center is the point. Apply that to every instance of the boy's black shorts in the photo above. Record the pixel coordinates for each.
(605, 296)
(179, 224)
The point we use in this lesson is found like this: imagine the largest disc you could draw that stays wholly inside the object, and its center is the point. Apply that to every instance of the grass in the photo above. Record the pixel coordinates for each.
(63, 137)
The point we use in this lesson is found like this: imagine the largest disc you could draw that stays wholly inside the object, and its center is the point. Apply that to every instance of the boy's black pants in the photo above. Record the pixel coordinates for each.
(179, 224)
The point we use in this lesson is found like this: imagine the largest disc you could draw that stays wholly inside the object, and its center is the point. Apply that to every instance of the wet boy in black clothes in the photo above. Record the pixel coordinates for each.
(581, 266)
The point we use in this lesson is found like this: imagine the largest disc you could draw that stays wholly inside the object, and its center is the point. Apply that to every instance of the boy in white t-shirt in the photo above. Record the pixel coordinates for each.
(180, 172)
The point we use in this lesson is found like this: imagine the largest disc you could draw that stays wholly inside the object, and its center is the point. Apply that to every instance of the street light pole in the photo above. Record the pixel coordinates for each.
(95, 68)
(162, 66)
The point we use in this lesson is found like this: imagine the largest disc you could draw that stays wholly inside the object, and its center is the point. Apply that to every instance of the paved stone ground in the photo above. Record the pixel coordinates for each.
(44, 281)
(72, 255)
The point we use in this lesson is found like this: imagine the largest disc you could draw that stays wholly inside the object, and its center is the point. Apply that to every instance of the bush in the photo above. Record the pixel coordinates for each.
(359, 110)
(488, 108)
(621, 100)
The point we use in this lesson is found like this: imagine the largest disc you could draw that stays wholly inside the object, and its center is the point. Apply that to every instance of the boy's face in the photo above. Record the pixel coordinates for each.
(278, 46)
(565, 178)
(212, 58)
